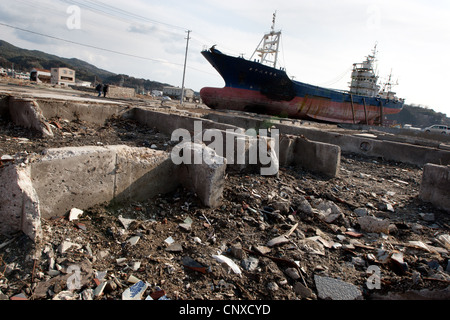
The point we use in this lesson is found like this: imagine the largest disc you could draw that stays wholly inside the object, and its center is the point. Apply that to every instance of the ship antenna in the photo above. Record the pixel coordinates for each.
(273, 20)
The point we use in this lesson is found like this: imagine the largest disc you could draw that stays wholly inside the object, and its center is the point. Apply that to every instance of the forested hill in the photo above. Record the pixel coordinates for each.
(25, 60)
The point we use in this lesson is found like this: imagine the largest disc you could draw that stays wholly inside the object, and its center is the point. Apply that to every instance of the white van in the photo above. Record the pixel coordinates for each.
(439, 128)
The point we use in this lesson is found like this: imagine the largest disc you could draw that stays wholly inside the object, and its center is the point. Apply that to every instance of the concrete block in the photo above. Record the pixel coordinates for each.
(82, 177)
(319, 157)
(19, 202)
(28, 114)
(388, 150)
(435, 186)
(167, 123)
(242, 149)
(79, 177)
(203, 174)
(90, 111)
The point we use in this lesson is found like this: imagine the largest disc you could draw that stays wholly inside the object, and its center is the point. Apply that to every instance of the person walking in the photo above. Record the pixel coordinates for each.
(105, 90)
(99, 89)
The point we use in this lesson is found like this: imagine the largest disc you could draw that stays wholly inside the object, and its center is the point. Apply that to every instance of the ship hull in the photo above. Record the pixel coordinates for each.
(253, 87)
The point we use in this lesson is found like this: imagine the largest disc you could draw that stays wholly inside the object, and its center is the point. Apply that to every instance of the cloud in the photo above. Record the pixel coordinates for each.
(142, 29)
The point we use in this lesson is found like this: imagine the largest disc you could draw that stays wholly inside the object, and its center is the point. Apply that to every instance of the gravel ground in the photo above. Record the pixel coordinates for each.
(273, 238)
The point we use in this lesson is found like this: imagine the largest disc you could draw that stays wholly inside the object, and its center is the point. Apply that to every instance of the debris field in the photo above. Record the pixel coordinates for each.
(364, 234)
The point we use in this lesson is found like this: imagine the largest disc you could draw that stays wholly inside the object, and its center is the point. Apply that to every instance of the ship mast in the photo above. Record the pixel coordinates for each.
(268, 51)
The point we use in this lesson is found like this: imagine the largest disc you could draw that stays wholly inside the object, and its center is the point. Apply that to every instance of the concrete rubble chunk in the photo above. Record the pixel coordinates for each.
(335, 289)
(74, 214)
(250, 264)
(97, 175)
(435, 186)
(66, 245)
(312, 155)
(373, 224)
(205, 177)
(28, 114)
(303, 292)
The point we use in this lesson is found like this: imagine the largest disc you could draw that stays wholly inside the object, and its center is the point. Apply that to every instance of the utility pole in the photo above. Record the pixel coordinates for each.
(184, 71)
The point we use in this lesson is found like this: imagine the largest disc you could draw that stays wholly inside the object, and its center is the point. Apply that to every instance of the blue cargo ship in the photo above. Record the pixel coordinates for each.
(259, 86)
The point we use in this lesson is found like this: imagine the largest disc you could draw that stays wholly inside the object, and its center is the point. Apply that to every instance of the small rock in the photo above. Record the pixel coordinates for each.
(134, 240)
(74, 214)
(262, 249)
(292, 273)
(335, 289)
(303, 292)
(66, 295)
(272, 286)
(281, 205)
(429, 217)
(250, 264)
(87, 294)
(174, 247)
(305, 207)
(185, 226)
(373, 224)
(66, 245)
(111, 286)
(361, 212)
(237, 251)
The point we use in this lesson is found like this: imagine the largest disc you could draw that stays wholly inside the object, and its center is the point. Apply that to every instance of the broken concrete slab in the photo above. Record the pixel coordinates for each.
(388, 150)
(374, 224)
(19, 202)
(79, 177)
(200, 170)
(311, 155)
(244, 150)
(82, 177)
(435, 186)
(335, 289)
(28, 114)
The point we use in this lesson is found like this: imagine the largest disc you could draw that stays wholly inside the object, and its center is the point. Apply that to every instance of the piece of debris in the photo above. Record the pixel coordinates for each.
(74, 214)
(191, 264)
(230, 263)
(335, 289)
(135, 292)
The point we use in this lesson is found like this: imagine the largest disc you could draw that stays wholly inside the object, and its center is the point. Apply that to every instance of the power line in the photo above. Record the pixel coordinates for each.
(88, 45)
(113, 11)
(102, 49)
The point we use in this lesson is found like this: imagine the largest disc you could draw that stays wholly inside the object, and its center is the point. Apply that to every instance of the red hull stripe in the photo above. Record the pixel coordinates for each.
(299, 107)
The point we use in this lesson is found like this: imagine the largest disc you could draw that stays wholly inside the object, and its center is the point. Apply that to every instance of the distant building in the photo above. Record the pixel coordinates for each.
(83, 83)
(175, 92)
(40, 75)
(63, 76)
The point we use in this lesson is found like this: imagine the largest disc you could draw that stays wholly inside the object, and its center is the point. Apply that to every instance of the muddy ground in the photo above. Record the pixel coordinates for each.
(179, 242)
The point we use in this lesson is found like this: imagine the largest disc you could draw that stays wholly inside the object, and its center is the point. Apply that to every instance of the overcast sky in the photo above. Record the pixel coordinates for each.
(321, 39)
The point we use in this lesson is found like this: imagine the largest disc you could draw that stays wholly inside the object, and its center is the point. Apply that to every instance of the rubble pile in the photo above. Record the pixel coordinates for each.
(364, 234)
